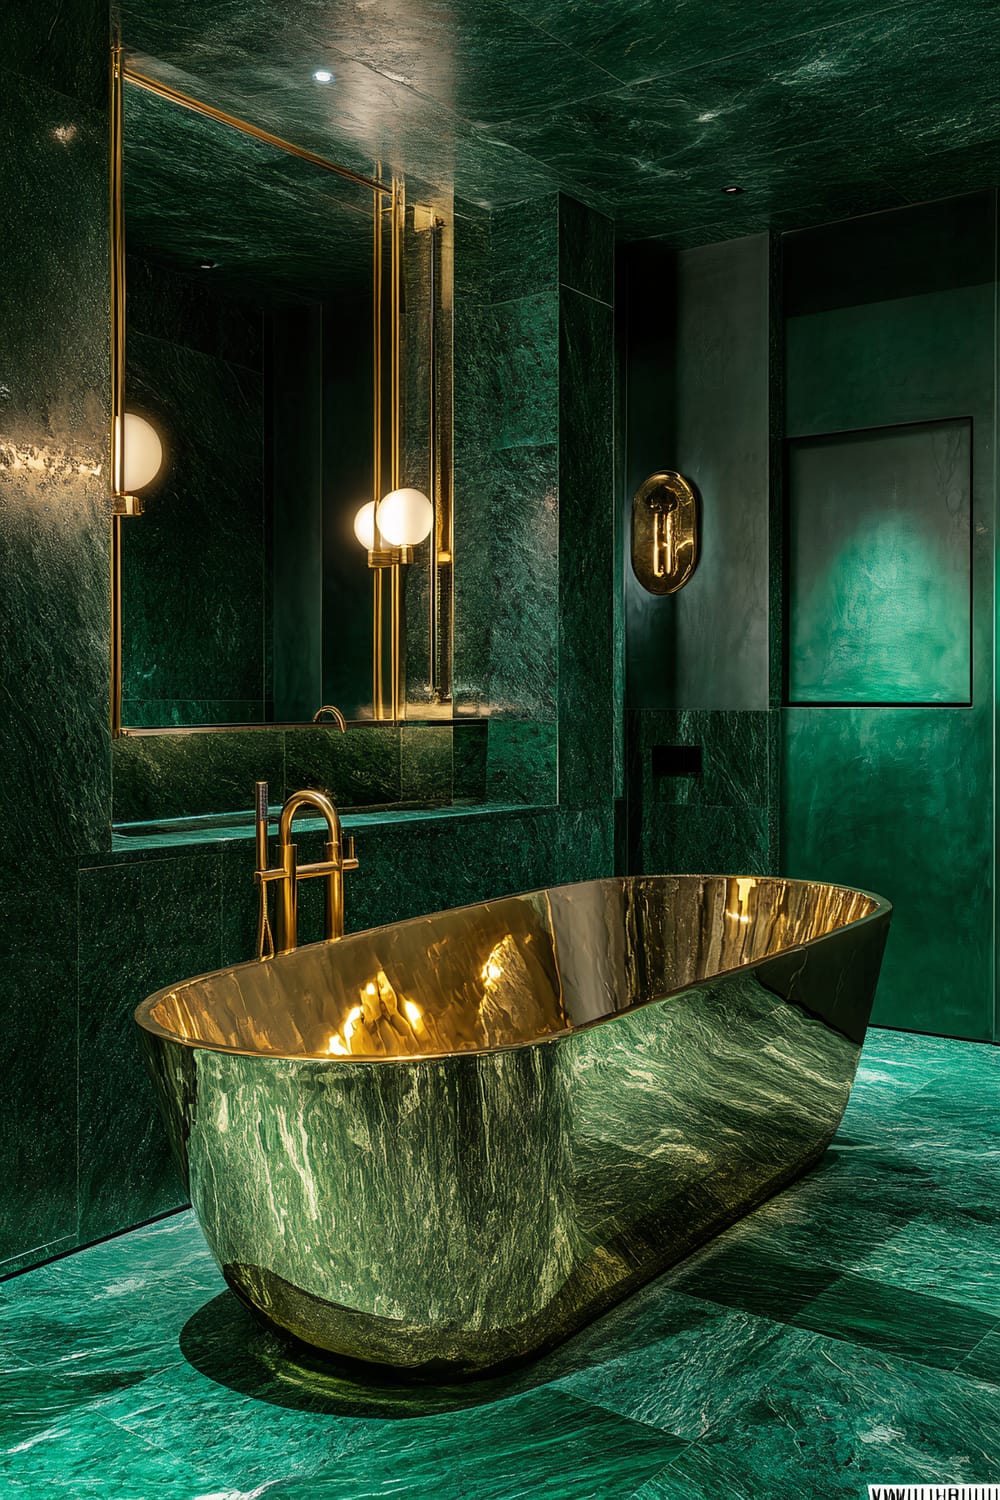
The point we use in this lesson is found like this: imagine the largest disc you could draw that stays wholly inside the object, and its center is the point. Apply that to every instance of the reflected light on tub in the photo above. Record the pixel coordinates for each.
(738, 897)
(381, 1024)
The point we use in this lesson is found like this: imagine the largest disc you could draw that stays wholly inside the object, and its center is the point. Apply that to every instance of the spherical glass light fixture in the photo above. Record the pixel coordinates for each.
(143, 452)
(364, 526)
(405, 517)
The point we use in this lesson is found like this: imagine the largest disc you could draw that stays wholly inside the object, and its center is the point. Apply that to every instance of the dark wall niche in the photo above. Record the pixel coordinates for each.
(879, 579)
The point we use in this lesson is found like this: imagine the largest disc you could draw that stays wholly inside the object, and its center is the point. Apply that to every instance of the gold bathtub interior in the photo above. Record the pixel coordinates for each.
(447, 1143)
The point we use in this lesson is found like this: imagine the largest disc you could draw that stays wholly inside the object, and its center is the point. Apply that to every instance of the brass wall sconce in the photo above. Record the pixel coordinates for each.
(665, 527)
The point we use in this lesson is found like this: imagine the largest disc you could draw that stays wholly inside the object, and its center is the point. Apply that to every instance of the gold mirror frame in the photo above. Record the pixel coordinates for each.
(390, 202)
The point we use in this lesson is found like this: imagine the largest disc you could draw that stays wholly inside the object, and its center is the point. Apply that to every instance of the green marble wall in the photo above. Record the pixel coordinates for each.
(89, 931)
(534, 562)
(891, 320)
(507, 490)
(717, 821)
(696, 354)
(54, 571)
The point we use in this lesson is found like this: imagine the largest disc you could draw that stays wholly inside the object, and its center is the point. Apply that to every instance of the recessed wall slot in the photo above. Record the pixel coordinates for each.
(676, 760)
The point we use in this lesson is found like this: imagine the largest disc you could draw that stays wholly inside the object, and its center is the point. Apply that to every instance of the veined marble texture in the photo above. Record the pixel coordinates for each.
(775, 1358)
(446, 1144)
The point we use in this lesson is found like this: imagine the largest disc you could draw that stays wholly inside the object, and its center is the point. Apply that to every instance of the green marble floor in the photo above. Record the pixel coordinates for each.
(848, 1332)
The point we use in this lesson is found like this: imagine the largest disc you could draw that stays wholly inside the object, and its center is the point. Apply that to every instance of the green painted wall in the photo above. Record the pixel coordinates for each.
(87, 932)
(884, 593)
(891, 320)
(695, 350)
(879, 582)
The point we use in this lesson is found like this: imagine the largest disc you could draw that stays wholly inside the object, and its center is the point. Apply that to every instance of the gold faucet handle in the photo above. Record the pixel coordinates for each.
(350, 862)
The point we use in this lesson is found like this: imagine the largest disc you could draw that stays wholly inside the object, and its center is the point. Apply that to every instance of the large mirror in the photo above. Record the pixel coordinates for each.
(278, 358)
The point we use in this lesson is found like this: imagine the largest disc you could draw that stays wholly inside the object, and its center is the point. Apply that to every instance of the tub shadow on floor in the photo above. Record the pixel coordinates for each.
(226, 1344)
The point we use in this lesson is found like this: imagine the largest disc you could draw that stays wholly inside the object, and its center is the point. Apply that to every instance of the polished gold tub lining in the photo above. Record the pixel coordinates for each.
(528, 969)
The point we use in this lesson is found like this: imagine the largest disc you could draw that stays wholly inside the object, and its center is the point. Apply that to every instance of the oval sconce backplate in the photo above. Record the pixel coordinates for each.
(664, 532)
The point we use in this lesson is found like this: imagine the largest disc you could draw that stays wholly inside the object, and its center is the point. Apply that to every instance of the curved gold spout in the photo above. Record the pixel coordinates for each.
(315, 799)
(331, 708)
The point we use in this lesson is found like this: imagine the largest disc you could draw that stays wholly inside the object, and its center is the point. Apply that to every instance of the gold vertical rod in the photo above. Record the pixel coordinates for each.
(434, 489)
(116, 626)
(117, 436)
(396, 580)
(377, 640)
(378, 709)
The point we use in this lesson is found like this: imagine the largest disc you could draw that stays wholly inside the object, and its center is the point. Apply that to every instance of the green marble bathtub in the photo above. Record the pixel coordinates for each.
(445, 1144)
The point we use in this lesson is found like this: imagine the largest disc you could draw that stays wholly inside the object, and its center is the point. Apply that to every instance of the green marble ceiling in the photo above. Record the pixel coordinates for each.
(274, 228)
(646, 109)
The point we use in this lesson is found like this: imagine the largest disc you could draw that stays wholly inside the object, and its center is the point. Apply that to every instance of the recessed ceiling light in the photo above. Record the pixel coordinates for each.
(322, 76)
(733, 189)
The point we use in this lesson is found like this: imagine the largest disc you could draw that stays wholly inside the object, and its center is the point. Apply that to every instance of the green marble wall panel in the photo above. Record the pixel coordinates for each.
(54, 572)
(184, 775)
(524, 607)
(507, 456)
(425, 763)
(61, 47)
(587, 709)
(521, 761)
(524, 246)
(586, 250)
(526, 370)
(879, 552)
(884, 329)
(474, 416)
(38, 1060)
(468, 760)
(54, 542)
(139, 926)
(714, 821)
(359, 768)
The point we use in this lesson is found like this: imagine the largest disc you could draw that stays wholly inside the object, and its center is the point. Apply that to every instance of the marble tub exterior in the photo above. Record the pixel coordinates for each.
(847, 1332)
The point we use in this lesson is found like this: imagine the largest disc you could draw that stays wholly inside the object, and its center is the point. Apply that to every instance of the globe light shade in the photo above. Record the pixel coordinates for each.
(143, 453)
(405, 518)
(364, 526)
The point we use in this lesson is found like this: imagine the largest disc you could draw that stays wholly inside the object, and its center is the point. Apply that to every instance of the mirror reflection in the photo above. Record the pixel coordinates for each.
(275, 391)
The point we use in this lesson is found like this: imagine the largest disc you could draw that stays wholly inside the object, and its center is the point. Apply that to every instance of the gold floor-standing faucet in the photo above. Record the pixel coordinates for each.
(288, 872)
